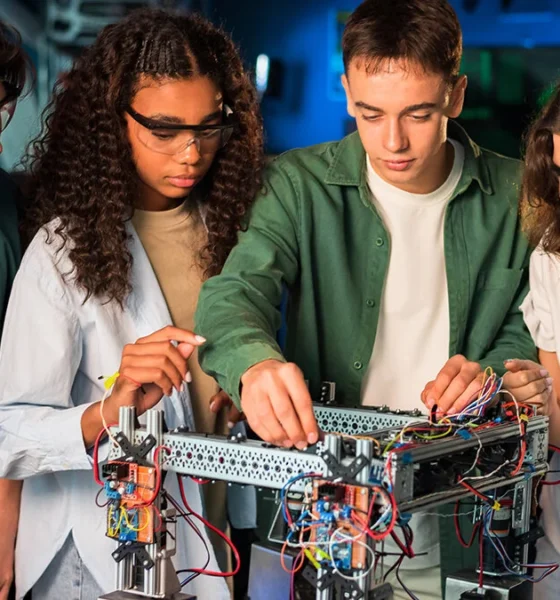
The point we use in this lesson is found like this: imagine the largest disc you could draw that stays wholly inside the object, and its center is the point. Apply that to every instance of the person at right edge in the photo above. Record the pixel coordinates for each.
(402, 253)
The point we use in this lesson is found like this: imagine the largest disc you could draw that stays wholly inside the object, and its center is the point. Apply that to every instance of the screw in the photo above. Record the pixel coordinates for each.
(146, 563)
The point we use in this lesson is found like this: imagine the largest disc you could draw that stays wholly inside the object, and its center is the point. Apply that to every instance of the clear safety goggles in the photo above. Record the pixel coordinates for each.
(171, 138)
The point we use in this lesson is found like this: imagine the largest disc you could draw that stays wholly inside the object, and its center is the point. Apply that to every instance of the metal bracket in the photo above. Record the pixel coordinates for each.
(348, 472)
(328, 579)
(136, 453)
(134, 548)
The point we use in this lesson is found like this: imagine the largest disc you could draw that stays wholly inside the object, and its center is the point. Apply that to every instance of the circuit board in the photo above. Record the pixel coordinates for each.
(336, 532)
(129, 487)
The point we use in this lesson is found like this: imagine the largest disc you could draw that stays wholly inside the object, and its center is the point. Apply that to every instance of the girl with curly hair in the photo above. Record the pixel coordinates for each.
(149, 159)
(541, 308)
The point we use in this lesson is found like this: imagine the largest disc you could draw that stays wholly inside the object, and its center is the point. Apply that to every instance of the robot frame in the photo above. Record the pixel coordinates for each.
(341, 498)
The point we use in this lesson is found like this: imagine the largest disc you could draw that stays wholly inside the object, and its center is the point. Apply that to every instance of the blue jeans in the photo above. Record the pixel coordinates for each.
(66, 578)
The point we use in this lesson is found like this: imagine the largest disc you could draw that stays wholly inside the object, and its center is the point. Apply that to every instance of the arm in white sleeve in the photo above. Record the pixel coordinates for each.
(40, 429)
(536, 308)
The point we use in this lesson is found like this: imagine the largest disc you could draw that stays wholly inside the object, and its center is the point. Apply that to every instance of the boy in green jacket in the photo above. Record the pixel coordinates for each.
(401, 250)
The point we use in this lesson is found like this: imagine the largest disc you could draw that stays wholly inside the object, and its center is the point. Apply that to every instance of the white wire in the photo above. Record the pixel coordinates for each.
(473, 466)
(505, 464)
(105, 426)
(354, 577)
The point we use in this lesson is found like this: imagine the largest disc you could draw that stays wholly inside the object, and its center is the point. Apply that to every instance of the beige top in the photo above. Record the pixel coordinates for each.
(173, 240)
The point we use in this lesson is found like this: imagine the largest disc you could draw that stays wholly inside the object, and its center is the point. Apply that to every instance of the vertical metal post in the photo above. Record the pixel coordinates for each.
(127, 416)
(154, 426)
(364, 448)
(325, 594)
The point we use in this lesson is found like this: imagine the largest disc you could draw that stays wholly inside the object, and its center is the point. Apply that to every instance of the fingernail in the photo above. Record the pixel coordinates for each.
(312, 438)
(287, 444)
(200, 339)
(230, 424)
(188, 377)
(549, 381)
(301, 445)
(213, 406)
(430, 402)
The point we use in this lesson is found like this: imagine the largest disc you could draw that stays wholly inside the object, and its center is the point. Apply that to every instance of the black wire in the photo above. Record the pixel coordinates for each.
(411, 594)
(187, 518)
(397, 562)
(97, 499)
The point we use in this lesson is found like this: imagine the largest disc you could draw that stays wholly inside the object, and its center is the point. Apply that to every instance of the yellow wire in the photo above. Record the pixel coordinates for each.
(125, 513)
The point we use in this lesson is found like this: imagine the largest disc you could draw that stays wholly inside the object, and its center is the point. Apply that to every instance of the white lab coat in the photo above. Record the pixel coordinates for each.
(53, 350)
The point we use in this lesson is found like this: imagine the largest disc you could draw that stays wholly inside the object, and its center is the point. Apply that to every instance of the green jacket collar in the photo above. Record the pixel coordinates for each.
(347, 165)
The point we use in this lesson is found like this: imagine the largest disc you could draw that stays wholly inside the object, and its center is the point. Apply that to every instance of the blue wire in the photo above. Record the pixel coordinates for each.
(498, 546)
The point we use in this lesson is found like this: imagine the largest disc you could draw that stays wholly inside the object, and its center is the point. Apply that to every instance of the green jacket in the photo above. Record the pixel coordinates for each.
(9, 241)
(315, 230)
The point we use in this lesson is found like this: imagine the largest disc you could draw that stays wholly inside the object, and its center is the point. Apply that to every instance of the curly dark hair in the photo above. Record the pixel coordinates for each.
(81, 166)
(540, 198)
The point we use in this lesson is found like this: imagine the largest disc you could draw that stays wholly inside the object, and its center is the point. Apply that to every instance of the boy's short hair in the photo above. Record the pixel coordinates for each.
(422, 32)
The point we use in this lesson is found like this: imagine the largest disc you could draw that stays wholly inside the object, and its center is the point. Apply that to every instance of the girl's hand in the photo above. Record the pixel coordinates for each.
(150, 369)
(530, 383)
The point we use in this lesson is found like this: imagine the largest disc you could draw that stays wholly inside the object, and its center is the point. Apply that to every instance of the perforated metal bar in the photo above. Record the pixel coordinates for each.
(256, 463)
(356, 421)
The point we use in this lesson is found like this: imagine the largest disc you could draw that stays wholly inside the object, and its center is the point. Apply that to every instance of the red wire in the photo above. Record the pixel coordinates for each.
(381, 536)
(98, 480)
(200, 481)
(475, 491)
(157, 487)
(522, 453)
(406, 550)
(215, 530)
(458, 528)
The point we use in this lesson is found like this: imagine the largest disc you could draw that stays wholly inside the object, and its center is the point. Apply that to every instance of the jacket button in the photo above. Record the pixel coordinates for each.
(370, 302)
(379, 241)
(358, 365)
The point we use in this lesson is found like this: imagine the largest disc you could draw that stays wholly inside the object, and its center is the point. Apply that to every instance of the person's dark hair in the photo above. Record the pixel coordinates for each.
(14, 62)
(81, 166)
(421, 32)
(540, 197)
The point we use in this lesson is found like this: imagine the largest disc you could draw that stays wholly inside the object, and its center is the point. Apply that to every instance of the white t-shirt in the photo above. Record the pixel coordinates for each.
(541, 311)
(412, 340)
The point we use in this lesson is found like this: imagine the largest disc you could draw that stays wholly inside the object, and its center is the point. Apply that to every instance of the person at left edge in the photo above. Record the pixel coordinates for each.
(14, 71)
